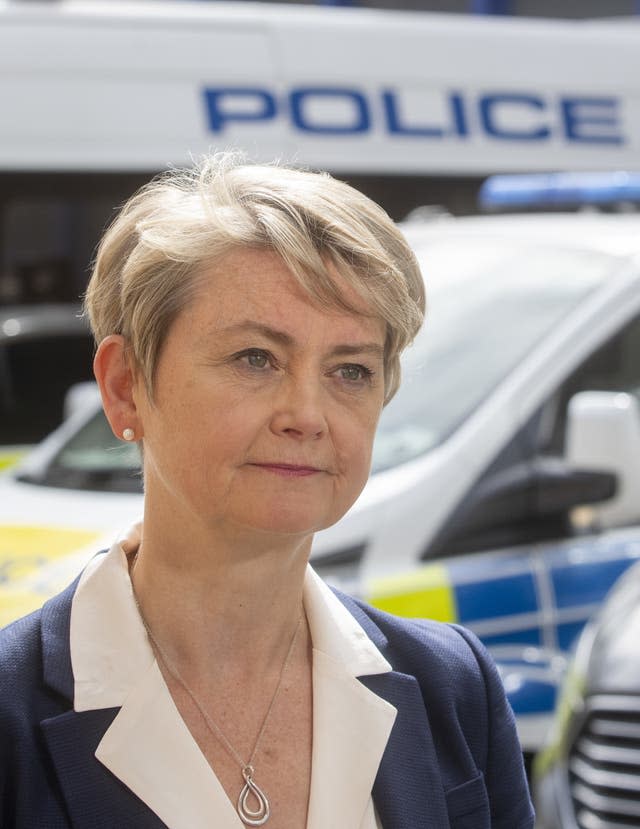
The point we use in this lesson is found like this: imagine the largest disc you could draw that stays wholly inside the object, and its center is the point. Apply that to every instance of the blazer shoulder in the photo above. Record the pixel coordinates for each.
(464, 699)
(424, 646)
(20, 646)
(20, 682)
(36, 648)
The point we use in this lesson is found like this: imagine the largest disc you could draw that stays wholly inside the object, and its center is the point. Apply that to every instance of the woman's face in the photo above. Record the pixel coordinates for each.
(265, 405)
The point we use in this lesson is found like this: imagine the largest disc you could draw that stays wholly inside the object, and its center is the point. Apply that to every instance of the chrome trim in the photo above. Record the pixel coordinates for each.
(604, 763)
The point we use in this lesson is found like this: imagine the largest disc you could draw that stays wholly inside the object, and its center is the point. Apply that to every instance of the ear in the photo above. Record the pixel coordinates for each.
(117, 381)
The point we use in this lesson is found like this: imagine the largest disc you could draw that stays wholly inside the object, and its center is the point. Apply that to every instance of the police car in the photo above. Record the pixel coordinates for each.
(505, 491)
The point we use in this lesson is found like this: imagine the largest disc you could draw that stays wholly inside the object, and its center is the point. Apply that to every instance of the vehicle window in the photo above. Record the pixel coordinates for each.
(50, 224)
(94, 459)
(34, 378)
(45, 253)
(614, 367)
(489, 305)
(475, 526)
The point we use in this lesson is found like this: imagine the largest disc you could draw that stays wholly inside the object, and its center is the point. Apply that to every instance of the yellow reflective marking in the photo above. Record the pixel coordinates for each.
(570, 700)
(426, 593)
(24, 549)
(8, 459)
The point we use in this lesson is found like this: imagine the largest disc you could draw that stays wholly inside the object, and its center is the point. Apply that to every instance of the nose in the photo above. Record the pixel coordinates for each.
(298, 412)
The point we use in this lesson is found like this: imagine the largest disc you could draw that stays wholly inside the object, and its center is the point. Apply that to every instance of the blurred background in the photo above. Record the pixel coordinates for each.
(504, 135)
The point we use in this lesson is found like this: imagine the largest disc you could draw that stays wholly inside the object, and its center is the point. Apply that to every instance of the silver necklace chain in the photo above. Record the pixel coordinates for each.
(250, 817)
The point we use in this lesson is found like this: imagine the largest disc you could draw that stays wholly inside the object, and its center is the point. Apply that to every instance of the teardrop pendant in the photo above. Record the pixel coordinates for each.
(248, 816)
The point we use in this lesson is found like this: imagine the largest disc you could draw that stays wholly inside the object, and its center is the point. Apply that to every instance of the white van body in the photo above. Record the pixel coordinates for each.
(117, 86)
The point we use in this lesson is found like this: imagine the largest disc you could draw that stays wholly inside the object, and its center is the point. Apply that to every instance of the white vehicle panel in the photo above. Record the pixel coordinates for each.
(125, 86)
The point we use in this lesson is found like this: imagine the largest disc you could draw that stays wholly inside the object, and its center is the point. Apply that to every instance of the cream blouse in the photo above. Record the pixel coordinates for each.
(148, 746)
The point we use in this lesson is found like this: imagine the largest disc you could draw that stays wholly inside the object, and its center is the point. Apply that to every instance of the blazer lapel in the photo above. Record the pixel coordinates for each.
(408, 790)
(72, 737)
(150, 749)
(351, 726)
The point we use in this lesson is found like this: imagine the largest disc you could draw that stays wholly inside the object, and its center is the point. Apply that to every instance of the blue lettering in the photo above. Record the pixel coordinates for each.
(360, 122)
(221, 110)
(389, 100)
(458, 125)
(490, 106)
(502, 116)
(593, 120)
(459, 114)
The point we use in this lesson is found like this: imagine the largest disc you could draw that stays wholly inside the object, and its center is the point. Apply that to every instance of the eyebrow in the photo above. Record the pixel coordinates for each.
(281, 337)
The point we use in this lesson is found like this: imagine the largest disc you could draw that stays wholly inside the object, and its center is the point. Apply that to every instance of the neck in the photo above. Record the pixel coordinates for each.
(212, 601)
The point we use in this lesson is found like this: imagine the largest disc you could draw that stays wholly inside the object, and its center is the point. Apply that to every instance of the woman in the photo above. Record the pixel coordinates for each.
(249, 322)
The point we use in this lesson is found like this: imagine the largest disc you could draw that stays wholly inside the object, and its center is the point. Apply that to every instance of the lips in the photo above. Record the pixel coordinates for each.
(288, 469)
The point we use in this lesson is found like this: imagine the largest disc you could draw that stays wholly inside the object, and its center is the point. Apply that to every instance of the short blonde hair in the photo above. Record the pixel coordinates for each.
(184, 220)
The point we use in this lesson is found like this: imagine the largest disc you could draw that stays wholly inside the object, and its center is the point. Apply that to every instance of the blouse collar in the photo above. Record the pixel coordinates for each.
(110, 652)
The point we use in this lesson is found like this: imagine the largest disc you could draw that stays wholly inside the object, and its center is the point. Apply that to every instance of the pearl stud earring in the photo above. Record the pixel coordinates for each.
(128, 434)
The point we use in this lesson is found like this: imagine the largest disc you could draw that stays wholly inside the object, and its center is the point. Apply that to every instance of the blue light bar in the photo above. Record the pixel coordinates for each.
(558, 189)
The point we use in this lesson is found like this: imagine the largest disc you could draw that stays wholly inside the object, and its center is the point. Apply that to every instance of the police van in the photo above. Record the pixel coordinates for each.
(115, 86)
(411, 107)
(505, 489)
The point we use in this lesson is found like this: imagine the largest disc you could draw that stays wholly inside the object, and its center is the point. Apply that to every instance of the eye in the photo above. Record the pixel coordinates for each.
(355, 373)
(256, 359)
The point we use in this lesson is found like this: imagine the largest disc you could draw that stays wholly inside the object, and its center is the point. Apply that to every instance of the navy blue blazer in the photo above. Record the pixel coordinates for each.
(452, 761)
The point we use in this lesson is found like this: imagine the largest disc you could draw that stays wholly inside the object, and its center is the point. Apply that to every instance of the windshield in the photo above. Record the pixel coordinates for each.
(489, 304)
(35, 374)
(93, 459)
